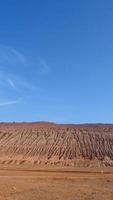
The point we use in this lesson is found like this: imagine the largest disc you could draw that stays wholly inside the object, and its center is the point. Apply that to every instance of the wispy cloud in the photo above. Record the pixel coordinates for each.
(8, 103)
(16, 82)
(44, 68)
(13, 60)
(11, 83)
(19, 75)
(9, 55)
(20, 56)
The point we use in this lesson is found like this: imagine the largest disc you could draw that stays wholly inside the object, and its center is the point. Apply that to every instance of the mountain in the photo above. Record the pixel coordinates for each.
(44, 143)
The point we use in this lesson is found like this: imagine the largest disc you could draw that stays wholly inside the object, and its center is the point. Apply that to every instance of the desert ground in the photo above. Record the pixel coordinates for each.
(47, 161)
(50, 183)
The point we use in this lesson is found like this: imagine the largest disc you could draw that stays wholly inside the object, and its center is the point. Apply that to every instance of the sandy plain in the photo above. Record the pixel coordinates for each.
(27, 182)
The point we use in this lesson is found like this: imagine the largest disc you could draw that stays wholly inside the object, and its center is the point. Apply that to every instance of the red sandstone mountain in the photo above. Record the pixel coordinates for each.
(52, 144)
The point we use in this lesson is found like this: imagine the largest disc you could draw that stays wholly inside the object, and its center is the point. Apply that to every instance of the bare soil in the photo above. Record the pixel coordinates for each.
(57, 145)
(46, 161)
(29, 183)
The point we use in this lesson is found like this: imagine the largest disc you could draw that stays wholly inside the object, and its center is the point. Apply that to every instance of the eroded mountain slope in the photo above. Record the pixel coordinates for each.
(64, 145)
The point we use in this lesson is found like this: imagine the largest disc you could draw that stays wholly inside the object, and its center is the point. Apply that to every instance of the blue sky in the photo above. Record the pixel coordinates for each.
(56, 61)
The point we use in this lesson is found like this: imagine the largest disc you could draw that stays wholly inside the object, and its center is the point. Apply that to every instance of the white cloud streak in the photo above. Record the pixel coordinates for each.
(8, 55)
(44, 67)
(18, 55)
(15, 74)
(11, 83)
(8, 103)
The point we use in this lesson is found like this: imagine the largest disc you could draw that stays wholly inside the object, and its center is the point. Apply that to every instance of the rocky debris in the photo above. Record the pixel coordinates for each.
(46, 143)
